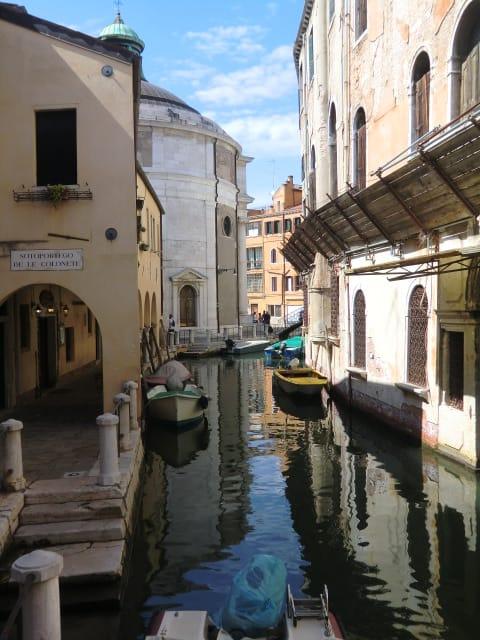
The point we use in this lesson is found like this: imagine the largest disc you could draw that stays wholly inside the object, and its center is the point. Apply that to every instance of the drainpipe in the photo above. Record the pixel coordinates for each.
(216, 231)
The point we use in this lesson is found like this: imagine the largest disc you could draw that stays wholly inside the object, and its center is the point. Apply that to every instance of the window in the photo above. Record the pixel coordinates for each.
(297, 222)
(89, 322)
(254, 258)
(455, 373)
(332, 151)
(288, 283)
(421, 97)
(334, 302)
(359, 331)
(417, 337)
(276, 226)
(312, 180)
(56, 142)
(331, 9)
(311, 59)
(275, 310)
(360, 17)
(298, 283)
(274, 283)
(303, 168)
(24, 315)
(70, 344)
(254, 229)
(465, 65)
(360, 150)
(255, 283)
(300, 88)
(273, 256)
(227, 226)
(287, 225)
(268, 228)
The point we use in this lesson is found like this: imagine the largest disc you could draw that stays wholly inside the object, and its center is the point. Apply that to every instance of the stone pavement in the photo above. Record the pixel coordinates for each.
(60, 434)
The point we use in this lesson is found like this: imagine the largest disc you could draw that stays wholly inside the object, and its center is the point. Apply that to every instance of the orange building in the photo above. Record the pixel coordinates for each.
(273, 284)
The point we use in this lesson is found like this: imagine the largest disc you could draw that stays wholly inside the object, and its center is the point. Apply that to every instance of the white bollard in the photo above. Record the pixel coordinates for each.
(254, 332)
(191, 336)
(38, 573)
(131, 388)
(240, 332)
(13, 479)
(208, 336)
(176, 338)
(122, 401)
(109, 469)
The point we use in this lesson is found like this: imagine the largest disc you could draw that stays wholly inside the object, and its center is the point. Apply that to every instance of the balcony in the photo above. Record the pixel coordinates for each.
(254, 264)
(53, 194)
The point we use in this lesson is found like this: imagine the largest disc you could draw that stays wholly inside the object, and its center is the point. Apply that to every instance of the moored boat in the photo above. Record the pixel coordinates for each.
(247, 346)
(290, 348)
(303, 381)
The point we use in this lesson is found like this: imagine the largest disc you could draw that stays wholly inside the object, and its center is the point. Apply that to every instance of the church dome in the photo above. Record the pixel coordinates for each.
(120, 33)
(153, 93)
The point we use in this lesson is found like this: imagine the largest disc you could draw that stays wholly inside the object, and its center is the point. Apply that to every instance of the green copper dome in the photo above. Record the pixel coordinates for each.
(119, 33)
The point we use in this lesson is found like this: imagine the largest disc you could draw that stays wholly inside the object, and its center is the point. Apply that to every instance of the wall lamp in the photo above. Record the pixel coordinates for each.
(65, 310)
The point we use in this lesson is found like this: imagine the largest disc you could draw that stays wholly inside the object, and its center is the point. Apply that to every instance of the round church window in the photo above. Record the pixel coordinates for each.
(227, 226)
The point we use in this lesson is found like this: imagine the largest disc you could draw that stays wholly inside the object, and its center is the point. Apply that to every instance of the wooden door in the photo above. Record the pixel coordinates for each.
(188, 307)
(470, 94)
(361, 177)
(422, 105)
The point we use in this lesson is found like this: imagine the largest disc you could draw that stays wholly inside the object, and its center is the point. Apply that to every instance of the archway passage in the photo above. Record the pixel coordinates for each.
(51, 378)
(188, 306)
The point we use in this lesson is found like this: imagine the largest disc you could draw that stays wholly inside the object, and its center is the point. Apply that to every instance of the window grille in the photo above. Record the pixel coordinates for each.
(417, 337)
(359, 331)
(334, 302)
(255, 283)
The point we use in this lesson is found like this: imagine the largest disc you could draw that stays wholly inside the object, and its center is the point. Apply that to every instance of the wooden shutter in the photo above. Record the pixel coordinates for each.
(361, 181)
(361, 17)
(470, 94)
(422, 105)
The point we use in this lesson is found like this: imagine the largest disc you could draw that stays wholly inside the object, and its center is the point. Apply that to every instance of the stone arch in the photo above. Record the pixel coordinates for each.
(188, 302)
(466, 39)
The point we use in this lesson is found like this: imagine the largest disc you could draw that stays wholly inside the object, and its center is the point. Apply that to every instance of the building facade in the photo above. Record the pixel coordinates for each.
(391, 240)
(273, 284)
(73, 277)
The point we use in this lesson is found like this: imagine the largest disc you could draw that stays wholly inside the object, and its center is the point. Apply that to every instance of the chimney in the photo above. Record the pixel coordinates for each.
(290, 179)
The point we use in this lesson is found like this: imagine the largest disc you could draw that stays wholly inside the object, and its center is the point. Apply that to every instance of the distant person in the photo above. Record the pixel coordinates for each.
(254, 314)
(300, 316)
(171, 323)
(266, 322)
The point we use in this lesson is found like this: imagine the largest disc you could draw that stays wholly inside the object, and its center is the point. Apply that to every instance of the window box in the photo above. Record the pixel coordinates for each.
(45, 194)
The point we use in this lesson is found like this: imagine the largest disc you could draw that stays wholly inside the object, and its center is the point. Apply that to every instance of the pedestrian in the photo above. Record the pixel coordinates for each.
(171, 323)
(266, 322)
(254, 314)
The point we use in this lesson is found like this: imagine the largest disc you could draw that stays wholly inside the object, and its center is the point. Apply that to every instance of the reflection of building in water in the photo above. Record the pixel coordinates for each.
(399, 531)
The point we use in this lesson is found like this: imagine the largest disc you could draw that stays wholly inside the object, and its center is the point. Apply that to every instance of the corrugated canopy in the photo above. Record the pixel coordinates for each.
(436, 185)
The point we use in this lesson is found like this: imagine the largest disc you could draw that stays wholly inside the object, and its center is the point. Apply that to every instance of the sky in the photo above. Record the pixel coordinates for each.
(230, 59)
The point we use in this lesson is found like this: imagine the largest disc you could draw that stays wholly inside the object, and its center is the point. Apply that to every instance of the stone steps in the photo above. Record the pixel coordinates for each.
(72, 511)
(63, 533)
(65, 490)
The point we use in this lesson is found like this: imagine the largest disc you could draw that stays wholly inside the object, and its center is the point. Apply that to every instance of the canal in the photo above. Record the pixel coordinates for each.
(391, 528)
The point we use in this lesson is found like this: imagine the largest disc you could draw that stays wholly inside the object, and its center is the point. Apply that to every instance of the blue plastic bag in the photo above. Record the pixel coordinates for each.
(257, 598)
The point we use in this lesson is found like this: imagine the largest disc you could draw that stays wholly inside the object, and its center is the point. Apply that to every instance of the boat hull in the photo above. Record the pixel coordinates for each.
(176, 410)
(250, 346)
(304, 382)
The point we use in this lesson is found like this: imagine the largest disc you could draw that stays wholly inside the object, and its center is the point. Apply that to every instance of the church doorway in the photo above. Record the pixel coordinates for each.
(47, 352)
(188, 307)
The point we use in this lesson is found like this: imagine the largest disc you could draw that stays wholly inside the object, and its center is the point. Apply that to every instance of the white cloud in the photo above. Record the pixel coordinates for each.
(266, 136)
(192, 71)
(240, 41)
(272, 78)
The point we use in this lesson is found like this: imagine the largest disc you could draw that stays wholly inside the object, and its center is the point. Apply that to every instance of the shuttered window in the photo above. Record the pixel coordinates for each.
(311, 59)
(422, 105)
(361, 159)
(360, 17)
(470, 88)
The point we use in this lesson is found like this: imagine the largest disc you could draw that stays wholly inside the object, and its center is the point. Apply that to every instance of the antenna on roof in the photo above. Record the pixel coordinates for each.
(118, 4)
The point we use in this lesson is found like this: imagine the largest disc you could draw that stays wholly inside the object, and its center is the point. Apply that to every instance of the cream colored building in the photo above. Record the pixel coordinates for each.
(389, 129)
(273, 284)
(80, 272)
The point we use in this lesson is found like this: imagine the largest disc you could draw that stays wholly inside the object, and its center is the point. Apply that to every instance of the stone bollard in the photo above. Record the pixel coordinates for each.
(208, 336)
(38, 573)
(191, 336)
(254, 331)
(240, 332)
(13, 479)
(131, 388)
(122, 401)
(225, 333)
(109, 469)
(176, 338)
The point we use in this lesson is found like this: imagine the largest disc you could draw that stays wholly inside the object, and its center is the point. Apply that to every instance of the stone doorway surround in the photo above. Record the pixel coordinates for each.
(198, 282)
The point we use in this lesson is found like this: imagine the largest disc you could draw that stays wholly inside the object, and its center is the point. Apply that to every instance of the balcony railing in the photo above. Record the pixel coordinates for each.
(45, 194)
(254, 264)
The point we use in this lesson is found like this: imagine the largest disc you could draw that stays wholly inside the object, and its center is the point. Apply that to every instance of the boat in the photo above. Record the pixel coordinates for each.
(311, 408)
(260, 605)
(302, 380)
(290, 348)
(304, 619)
(172, 399)
(179, 448)
(246, 346)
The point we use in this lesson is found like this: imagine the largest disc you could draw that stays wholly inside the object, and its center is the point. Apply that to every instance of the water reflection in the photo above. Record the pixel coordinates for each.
(391, 528)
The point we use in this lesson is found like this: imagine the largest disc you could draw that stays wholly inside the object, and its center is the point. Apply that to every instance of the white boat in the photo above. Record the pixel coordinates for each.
(180, 409)
(306, 619)
(248, 346)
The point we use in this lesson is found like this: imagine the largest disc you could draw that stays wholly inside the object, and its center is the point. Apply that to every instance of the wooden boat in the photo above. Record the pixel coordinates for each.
(303, 381)
(248, 346)
(290, 348)
(179, 409)
(305, 619)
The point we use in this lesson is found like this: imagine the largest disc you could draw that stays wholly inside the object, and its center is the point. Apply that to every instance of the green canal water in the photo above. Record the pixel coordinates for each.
(392, 529)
